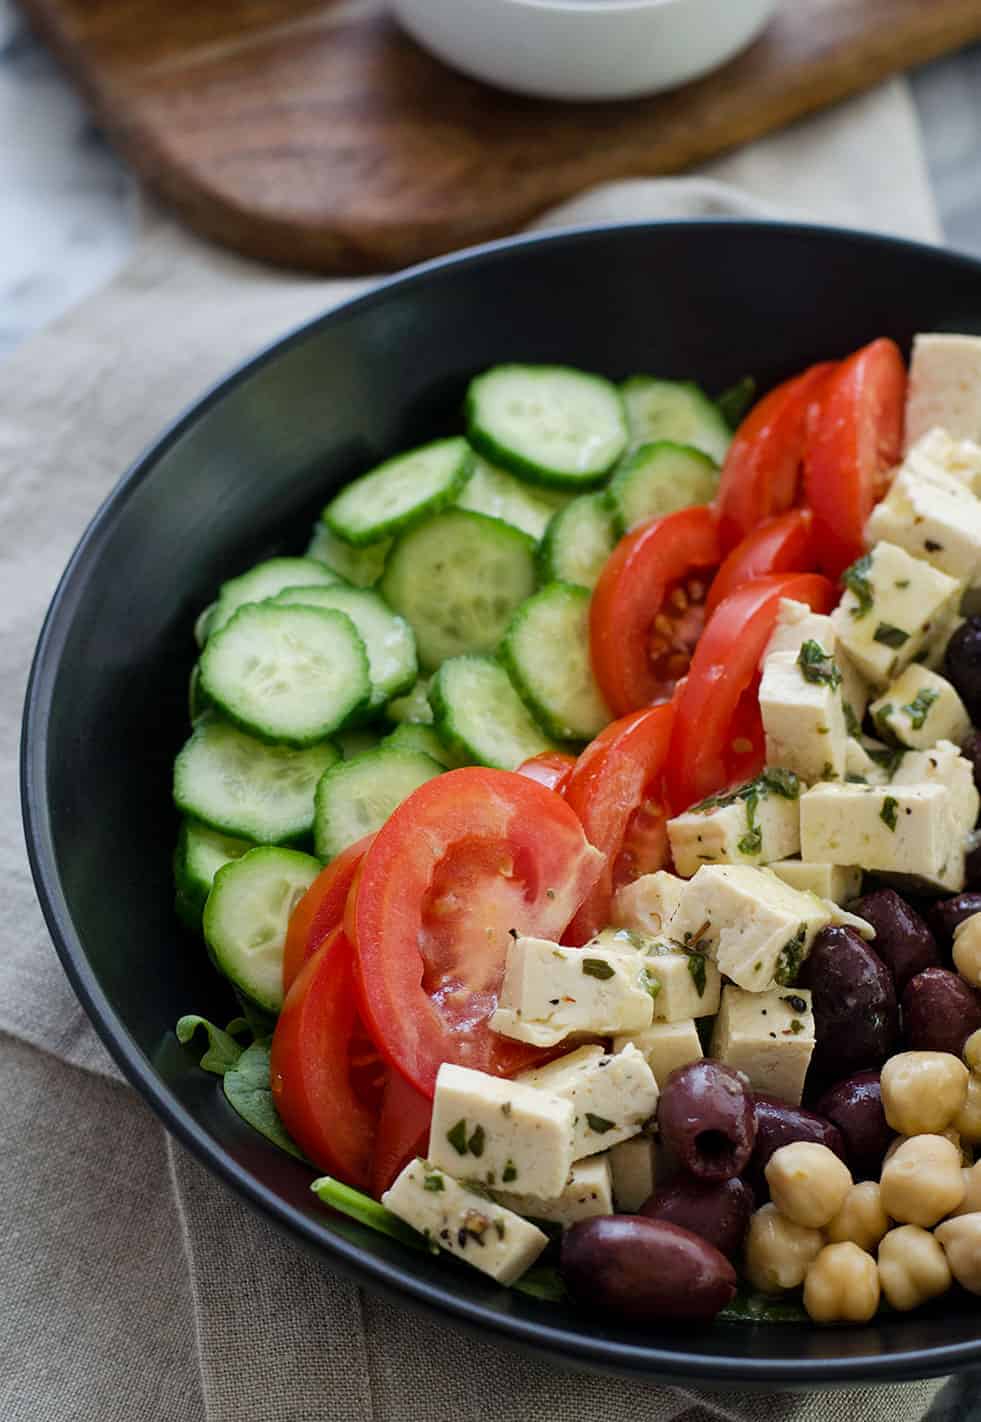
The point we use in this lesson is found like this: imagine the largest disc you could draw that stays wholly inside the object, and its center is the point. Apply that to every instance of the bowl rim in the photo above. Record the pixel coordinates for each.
(534, 1335)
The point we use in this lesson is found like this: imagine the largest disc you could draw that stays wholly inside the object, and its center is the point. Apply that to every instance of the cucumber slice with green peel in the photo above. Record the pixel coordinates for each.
(413, 708)
(481, 717)
(201, 852)
(388, 639)
(361, 567)
(400, 492)
(198, 702)
(498, 494)
(354, 741)
(247, 914)
(202, 624)
(357, 796)
(243, 787)
(413, 736)
(658, 479)
(735, 402)
(675, 410)
(546, 654)
(548, 423)
(578, 541)
(290, 675)
(457, 579)
(262, 582)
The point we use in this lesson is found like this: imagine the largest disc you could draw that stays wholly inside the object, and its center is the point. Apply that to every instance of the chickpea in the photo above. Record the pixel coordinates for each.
(922, 1092)
(778, 1252)
(861, 1219)
(967, 949)
(912, 1267)
(842, 1285)
(808, 1183)
(949, 1135)
(972, 1191)
(922, 1182)
(961, 1241)
(972, 1051)
(967, 1122)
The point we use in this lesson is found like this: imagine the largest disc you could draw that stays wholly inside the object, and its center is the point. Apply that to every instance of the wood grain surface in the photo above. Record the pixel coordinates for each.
(314, 134)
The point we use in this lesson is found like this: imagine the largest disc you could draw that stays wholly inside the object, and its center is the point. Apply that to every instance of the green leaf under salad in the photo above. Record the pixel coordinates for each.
(249, 1092)
(222, 1051)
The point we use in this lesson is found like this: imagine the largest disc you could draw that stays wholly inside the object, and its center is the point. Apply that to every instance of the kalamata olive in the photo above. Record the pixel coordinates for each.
(972, 868)
(705, 1116)
(716, 1210)
(946, 914)
(971, 749)
(643, 1270)
(940, 1012)
(902, 938)
(962, 665)
(855, 1107)
(777, 1124)
(856, 1020)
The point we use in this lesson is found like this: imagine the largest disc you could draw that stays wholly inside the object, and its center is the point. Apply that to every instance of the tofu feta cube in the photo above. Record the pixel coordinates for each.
(870, 761)
(501, 1133)
(944, 386)
(937, 451)
(803, 715)
(920, 708)
(937, 519)
(854, 692)
(752, 824)
(633, 1165)
(649, 903)
(588, 1193)
(664, 1046)
(943, 764)
(894, 605)
(797, 624)
(613, 1094)
(836, 882)
(550, 992)
(757, 928)
(492, 1238)
(682, 984)
(896, 829)
(769, 1036)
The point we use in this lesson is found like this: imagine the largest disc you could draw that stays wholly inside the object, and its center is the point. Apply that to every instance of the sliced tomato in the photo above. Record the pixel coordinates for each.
(761, 475)
(745, 754)
(710, 712)
(855, 438)
(466, 859)
(616, 791)
(320, 910)
(780, 545)
(551, 769)
(648, 608)
(403, 1131)
(326, 1073)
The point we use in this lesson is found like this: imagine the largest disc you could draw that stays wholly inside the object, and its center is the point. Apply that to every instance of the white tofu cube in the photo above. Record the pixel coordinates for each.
(894, 605)
(664, 1045)
(550, 992)
(938, 451)
(487, 1235)
(896, 829)
(943, 764)
(944, 386)
(649, 903)
(683, 985)
(769, 1036)
(835, 882)
(500, 1132)
(920, 708)
(757, 928)
(870, 761)
(621, 940)
(803, 715)
(854, 692)
(613, 1094)
(797, 624)
(936, 519)
(589, 1193)
(751, 824)
(633, 1165)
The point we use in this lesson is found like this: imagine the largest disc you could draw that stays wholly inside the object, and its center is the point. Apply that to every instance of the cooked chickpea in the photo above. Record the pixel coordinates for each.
(972, 1051)
(778, 1252)
(949, 1135)
(922, 1092)
(912, 1267)
(923, 1181)
(972, 1191)
(808, 1183)
(961, 1241)
(967, 949)
(861, 1219)
(967, 1122)
(842, 1285)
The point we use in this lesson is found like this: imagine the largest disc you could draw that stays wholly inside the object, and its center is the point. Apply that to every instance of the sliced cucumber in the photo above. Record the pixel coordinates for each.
(352, 742)
(197, 700)
(457, 580)
(287, 674)
(659, 478)
(578, 541)
(201, 852)
(247, 914)
(549, 423)
(735, 402)
(388, 638)
(412, 736)
(498, 494)
(400, 492)
(243, 787)
(481, 717)
(357, 796)
(413, 707)
(264, 581)
(362, 567)
(676, 410)
(546, 653)
(202, 624)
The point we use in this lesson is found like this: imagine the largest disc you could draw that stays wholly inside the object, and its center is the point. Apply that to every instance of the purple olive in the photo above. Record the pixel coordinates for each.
(902, 938)
(855, 1107)
(716, 1210)
(645, 1271)
(777, 1124)
(946, 914)
(971, 750)
(856, 1020)
(940, 1012)
(705, 1116)
(972, 868)
(962, 665)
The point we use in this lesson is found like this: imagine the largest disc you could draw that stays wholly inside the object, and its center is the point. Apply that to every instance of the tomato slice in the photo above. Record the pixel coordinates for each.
(780, 545)
(723, 669)
(403, 1131)
(761, 473)
(550, 768)
(648, 607)
(855, 438)
(320, 910)
(468, 857)
(616, 791)
(326, 1074)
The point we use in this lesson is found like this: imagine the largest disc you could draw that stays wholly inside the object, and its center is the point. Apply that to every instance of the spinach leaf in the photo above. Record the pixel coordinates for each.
(222, 1051)
(758, 1308)
(249, 1093)
(261, 1023)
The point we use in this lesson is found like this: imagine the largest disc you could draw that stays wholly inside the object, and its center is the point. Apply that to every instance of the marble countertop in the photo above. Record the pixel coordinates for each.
(69, 212)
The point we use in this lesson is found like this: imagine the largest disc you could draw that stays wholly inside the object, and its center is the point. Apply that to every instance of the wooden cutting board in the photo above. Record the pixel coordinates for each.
(314, 134)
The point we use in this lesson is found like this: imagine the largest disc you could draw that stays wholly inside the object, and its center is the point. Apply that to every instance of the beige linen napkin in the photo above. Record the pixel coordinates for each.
(135, 1286)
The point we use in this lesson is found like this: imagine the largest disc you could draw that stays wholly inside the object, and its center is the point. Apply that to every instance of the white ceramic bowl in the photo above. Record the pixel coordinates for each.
(584, 49)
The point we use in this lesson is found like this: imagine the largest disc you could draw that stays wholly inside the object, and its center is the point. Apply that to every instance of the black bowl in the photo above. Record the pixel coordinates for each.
(243, 474)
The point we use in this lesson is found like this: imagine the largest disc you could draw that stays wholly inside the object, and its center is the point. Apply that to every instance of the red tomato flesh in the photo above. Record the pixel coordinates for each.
(780, 545)
(402, 1133)
(320, 910)
(551, 769)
